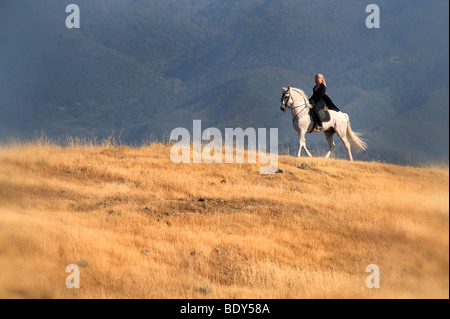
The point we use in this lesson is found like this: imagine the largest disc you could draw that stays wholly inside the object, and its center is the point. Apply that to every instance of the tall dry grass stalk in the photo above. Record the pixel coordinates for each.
(140, 226)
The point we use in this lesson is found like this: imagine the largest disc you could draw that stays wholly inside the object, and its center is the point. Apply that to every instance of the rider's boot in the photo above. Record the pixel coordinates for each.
(318, 124)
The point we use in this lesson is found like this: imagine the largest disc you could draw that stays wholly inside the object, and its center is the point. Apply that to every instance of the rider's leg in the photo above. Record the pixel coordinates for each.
(316, 115)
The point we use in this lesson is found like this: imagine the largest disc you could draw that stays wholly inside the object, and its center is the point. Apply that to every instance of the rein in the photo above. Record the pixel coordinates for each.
(304, 102)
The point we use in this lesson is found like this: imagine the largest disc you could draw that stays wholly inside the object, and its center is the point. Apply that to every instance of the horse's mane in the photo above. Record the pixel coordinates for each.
(303, 95)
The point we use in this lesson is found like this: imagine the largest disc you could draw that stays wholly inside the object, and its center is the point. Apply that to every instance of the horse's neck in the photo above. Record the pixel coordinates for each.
(298, 104)
(294, 111)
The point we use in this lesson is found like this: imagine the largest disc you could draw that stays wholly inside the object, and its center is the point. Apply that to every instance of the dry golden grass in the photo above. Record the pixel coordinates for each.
(140, 226)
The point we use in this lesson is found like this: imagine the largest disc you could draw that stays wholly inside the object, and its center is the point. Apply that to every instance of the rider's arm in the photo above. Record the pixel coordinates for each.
(319, 93)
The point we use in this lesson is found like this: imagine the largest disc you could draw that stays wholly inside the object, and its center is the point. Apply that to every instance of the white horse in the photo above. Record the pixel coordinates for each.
(339, 123)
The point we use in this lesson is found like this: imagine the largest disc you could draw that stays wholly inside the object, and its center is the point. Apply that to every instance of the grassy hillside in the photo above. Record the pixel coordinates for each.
(140, 226)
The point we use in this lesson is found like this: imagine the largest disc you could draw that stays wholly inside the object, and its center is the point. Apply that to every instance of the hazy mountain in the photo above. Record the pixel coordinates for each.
(148, 66)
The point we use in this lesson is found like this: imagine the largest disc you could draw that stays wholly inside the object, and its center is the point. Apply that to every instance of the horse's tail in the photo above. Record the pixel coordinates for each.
(355, 138)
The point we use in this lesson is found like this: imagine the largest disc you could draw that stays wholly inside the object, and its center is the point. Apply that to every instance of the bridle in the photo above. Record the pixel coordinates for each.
(284, 103)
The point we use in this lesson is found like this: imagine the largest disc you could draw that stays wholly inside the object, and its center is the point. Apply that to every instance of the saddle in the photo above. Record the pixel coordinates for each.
(323, 113)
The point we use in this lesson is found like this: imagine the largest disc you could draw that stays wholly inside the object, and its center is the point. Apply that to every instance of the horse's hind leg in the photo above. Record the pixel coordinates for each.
(302, 144)
(329, 136)
(347, 145)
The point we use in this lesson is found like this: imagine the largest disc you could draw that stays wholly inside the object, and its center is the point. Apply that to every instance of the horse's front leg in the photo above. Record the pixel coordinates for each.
(302, 144)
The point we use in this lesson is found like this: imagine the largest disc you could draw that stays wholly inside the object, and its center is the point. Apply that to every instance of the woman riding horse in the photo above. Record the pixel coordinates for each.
(319, 100)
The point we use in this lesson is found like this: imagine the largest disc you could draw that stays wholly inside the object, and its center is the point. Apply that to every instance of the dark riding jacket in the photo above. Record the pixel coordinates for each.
(321, 99)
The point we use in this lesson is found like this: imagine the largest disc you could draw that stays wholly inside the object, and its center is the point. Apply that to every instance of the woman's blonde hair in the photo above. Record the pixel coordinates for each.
(323, 79)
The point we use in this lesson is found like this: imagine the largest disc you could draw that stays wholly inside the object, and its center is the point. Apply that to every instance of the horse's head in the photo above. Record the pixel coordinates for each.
(286, 99)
